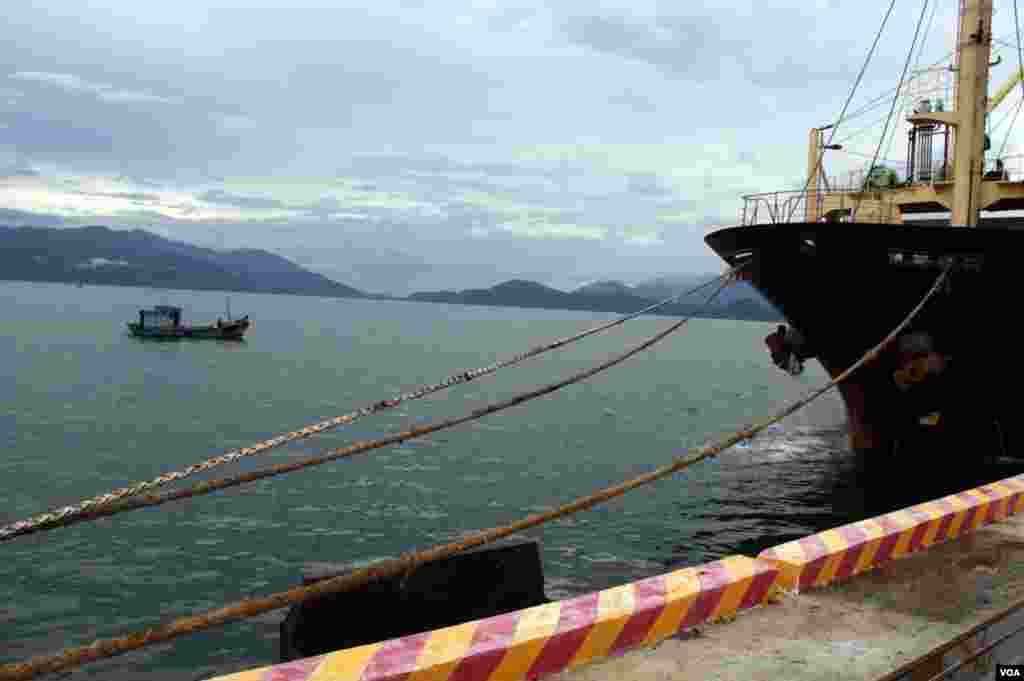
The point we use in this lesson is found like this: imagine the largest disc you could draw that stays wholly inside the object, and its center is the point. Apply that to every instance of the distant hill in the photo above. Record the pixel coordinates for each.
(606, 288)
(520, 293)
(99, 255)
(668, 286)
(664, 287)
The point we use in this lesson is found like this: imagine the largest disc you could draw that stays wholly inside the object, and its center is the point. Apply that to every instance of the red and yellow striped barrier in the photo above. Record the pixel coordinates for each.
(534, 642)
(530, 643)
(839, 553)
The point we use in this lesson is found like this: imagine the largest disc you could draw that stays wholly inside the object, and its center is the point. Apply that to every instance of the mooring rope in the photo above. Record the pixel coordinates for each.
(54, 517)
(111, 647)
(93, 511)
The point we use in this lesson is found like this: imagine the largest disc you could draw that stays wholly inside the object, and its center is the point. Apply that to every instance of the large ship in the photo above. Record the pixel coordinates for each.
(845, 266)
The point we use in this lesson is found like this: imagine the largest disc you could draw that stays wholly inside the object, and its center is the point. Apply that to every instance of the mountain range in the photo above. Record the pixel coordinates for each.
(610, 297)
(99, 255)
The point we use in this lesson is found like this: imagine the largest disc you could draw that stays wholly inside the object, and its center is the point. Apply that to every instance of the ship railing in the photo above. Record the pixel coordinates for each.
(858, 201)
(1012, 167)
(774, 207)
(786, 206)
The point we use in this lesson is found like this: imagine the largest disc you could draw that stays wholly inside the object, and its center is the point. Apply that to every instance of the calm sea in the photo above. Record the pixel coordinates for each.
(84, 408)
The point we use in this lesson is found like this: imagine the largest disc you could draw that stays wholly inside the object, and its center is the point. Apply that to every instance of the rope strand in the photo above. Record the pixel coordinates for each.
(76, 656)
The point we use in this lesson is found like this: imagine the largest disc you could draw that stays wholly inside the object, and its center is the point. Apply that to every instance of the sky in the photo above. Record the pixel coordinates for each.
(411, 145)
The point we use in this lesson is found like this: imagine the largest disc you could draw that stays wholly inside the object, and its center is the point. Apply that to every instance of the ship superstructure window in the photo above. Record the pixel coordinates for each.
(161, 316)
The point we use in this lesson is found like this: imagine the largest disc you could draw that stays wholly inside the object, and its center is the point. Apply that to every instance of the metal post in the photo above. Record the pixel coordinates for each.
(911, 146)
(945, 153)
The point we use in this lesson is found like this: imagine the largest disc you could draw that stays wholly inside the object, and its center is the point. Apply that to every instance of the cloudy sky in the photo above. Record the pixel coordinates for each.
(401, 146)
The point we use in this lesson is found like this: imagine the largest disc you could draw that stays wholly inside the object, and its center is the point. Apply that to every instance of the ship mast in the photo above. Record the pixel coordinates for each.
(960, 186)
(974, 46)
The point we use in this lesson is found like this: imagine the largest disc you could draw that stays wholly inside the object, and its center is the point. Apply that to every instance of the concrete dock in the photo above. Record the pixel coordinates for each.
(877, 599)
(863, 628)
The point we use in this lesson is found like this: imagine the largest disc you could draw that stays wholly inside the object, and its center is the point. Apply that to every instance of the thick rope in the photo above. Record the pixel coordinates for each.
(76, 656)
(94, 511)
(54, 518)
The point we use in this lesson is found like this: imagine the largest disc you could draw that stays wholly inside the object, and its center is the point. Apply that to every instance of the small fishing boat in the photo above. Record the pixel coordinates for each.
(164, 321)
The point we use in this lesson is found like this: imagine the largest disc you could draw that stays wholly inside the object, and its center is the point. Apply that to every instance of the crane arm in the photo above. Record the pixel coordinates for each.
(1005, 89)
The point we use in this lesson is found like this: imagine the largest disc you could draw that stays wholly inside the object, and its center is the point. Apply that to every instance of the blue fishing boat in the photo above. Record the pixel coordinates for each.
(164, 321)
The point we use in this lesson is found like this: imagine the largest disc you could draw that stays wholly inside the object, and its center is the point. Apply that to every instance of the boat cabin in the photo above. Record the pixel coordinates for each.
(160, 317)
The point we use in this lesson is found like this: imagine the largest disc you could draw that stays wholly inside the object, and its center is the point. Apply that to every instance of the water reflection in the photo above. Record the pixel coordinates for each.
(786, 486)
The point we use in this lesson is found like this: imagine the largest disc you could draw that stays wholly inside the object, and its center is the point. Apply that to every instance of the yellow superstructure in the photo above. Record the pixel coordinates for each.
(958, 182)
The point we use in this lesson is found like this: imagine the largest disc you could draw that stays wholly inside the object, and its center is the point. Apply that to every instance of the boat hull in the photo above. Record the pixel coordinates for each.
(230, 331)
(847, 286)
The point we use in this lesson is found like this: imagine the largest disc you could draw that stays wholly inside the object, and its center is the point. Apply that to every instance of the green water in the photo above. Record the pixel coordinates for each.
(84, 409)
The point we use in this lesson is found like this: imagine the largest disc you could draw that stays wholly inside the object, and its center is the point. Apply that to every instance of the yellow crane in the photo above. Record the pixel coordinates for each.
(1005, 89)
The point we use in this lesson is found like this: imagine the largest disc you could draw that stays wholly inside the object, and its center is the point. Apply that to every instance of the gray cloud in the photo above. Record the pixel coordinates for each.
(676, 43)
(140, 181)
(383, 165)
(463, 143)
(648, 184)
(634, 101)
(689, 42)
(512, 18)
(100, 135)
(138, 197)
(18, 170)
(219, 196)
(104, 91)
(41, 134)
(19, 218)
(325, 207)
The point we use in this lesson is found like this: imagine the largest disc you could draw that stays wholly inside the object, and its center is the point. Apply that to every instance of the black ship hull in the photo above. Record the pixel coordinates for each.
(846, 286)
